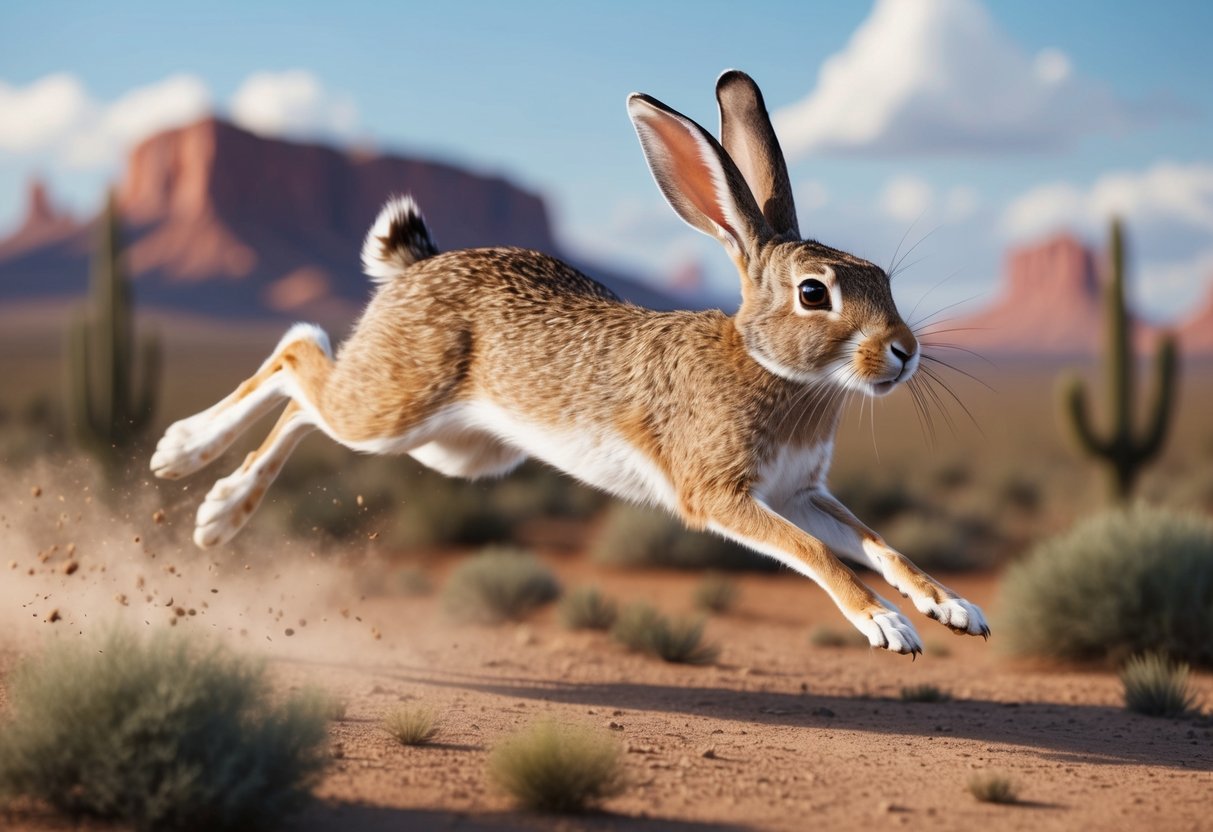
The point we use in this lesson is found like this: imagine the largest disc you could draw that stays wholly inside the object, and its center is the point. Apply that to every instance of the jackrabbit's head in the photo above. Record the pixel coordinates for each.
(809, 313)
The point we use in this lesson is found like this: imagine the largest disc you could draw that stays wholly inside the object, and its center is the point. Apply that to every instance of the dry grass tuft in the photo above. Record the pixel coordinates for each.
(1156, 686)
(551, 767)
(416, 725)
(586, 608)
(924, 693)
(993, 788)
(642, 628)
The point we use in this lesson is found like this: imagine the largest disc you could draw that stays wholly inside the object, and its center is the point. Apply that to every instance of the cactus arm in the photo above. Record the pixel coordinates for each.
(1074, 396)
(1120, 368)
(1166, 366)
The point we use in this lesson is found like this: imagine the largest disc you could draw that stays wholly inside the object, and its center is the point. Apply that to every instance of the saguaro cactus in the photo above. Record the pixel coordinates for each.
(107, 410)
(1124, 454)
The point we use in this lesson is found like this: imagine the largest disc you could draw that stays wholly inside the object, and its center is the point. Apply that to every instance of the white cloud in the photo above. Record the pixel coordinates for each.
(292, 103)
(114, 128)
(54, 118)
(1165, 194)
(41, 113)
(932, 76)
(905, 198)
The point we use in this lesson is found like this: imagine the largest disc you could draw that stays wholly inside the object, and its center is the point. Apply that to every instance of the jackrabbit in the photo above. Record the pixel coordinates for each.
(471, 361)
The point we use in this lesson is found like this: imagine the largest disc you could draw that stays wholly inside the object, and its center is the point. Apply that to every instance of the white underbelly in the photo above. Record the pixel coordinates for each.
(597, 456)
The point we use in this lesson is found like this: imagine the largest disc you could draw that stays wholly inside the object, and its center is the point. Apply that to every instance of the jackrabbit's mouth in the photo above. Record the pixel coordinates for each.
(881, 388)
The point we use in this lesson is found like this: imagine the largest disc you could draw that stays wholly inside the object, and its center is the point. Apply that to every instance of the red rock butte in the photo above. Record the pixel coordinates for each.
(223, 222)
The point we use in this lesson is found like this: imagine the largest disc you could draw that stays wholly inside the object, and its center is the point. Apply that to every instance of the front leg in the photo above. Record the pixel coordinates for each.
(821, 515)
(754, 525)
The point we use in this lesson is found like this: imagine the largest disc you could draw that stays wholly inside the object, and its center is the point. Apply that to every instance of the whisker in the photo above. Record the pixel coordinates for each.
(937, 380)
(956, 369)
(910, 251)
(918, 324)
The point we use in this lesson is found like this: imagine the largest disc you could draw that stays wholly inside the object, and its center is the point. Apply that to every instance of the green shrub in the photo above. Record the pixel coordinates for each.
(637, 537)
(499, 585)
(1156, 686)
(586, 608)
(412, 725)
(993, 788)
(923, 693)
(1119, 583)
(558, 768)
(823, 636)
(716, 593)
(159, 734)
(642, 628)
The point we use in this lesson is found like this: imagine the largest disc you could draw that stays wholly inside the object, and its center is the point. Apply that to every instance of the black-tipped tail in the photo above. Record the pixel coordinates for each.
(397, 240)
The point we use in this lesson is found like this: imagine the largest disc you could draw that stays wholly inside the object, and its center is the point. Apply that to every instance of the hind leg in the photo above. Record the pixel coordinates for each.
(233, 499)
(191, 444)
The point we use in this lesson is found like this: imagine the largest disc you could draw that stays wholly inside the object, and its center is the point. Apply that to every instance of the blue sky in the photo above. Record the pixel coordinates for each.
(982, 123)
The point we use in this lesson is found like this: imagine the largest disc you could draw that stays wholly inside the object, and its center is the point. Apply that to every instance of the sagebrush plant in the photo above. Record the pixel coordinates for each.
(993, 788)
(642, 628)
(924, 693)
(160, 734)
(499, 584)
(1155, 685)
(554, 767)
(412, 725)
(586, 608)
(1120, 583)
(716, 593)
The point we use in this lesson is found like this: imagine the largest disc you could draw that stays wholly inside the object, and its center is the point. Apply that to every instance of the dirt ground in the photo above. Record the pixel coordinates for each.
(779, 734)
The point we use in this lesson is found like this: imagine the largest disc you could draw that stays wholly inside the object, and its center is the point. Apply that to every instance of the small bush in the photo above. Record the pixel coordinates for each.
(558, 768)
(635, 625)
(637, 537)
(993, 788)
(586, 608)
(1156, 686)
(159, 734)
(1117, 584)
(716, 593)
(412, 725)
(923, 693)
(499, 585)
(642, 628)
(823, 636)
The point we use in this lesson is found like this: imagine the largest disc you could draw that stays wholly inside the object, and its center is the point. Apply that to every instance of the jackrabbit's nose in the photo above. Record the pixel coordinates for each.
(902, 355)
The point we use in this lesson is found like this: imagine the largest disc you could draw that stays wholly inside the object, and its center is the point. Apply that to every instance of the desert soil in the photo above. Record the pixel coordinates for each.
(778, 734)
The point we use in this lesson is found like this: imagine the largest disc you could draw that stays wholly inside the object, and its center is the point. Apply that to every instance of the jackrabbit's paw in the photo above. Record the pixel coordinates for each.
(957, 614)
(889, 629)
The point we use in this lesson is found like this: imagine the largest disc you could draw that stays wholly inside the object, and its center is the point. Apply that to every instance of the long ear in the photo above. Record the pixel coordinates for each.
(749, 139)
(697, 177)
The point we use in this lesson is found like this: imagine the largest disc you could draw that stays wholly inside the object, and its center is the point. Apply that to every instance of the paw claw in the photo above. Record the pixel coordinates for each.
(888, 629)
(959, 615)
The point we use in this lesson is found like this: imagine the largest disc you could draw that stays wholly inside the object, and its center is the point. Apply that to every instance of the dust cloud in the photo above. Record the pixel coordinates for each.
(79, 554)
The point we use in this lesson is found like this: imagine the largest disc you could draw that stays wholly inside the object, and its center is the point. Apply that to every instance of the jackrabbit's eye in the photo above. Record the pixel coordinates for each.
(814, 295)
